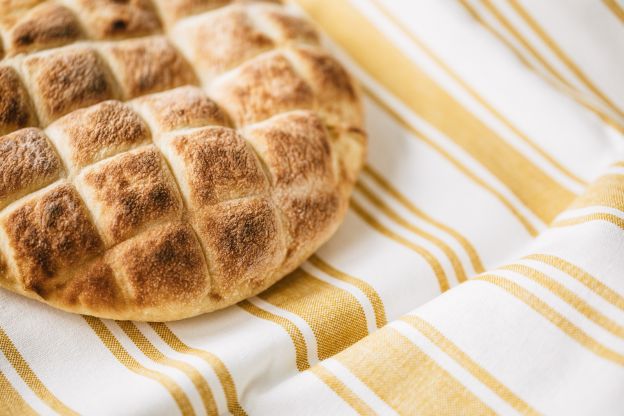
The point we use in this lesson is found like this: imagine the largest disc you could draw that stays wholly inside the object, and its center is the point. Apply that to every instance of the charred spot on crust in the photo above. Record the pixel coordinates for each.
(93, 286)
(46, 26)
(130, 191)
(50, 233)
(243, 242)
(163, 265)
(111, 19)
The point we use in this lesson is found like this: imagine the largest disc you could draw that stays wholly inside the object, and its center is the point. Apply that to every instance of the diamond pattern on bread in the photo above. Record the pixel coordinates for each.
(148, 65)
(214, 164)
(221, 40)
(91, 134)
(48, 234)
(295, 148)
(128, 192)
(261, 88)
(106, 19)
(64, 80)
(243, 238)
(162, 268)
(164, 158)
(180, 108)
(45, 26)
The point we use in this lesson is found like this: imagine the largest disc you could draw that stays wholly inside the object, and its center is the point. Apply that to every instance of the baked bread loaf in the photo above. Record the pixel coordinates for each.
(164, 158)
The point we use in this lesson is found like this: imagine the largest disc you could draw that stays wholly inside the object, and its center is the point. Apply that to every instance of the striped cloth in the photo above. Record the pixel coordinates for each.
(480, 269)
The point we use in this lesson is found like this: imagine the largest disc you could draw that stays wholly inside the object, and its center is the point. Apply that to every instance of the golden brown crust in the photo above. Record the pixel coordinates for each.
(164, 267)
(48, 234)
(28, 163)
(93, 287)
(128, 192)
(350, 149)
(112, 19)
(173, 10)
(296, 149)
(183, 107)
(310, 219)
(148, 65)
(216, 164)
(232, 163)
(285, 27)
(88, 135)
(15, 107)
(67, 79)
(221, 40)
(337, 96)
(243, 240)
(45, 26)
(263, 87)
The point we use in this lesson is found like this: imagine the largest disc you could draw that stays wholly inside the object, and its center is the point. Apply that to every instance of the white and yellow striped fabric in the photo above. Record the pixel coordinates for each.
(480, 269)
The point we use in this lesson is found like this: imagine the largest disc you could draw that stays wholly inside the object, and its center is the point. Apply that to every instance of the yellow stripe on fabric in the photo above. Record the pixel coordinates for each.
(120, 353)
(475, 260)
(407, 379)
(521, 39)
(568, 296)
(11, 402)
(400, 75)
(582, 276)
(30, 378)
(608, 191)
(563, 57)
(336, 317)
(469, 364)
(569, 88)
(372, 296)
(225, 378)
(458, 268)
(615, 8)
(150, 351)
(473, 12)
(435, 265)
(344, 392)
(301, 349)
(554, 317)
(461, 167)
(613, 219)
(431, 54)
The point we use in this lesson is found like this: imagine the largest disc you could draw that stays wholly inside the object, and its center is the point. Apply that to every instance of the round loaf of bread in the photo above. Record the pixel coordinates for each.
(164, 158)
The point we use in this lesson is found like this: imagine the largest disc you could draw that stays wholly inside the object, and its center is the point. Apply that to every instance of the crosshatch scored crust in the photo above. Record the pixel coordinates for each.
(164, 158)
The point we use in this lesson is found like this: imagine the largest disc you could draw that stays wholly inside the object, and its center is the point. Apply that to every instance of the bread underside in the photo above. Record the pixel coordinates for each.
(161, 159)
